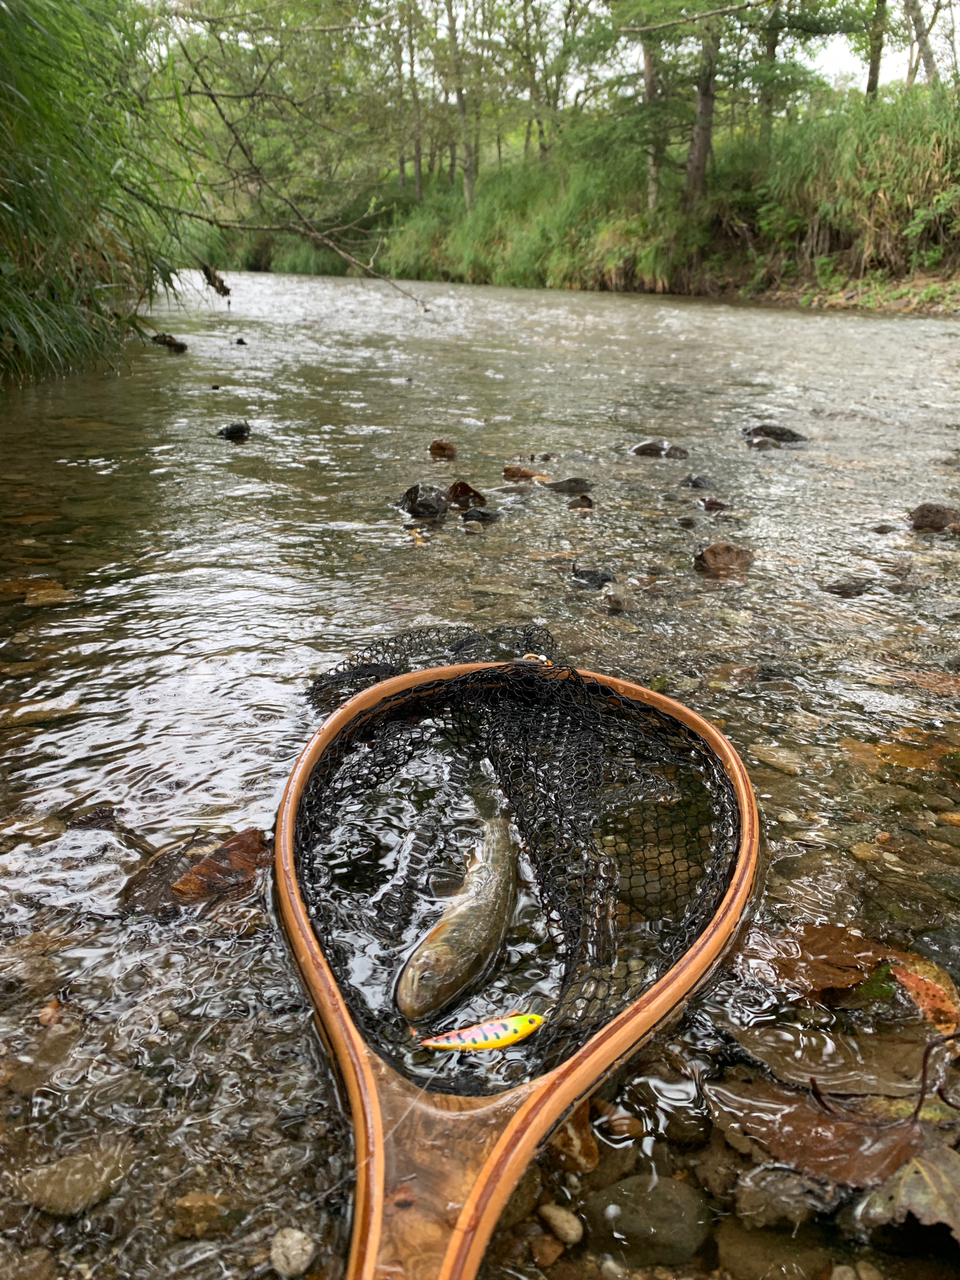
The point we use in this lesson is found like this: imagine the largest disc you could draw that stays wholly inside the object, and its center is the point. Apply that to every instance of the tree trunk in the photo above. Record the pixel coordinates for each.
(453, 164)
(652, 91)
(701, 143)
(417, 118)
(913, 11)
(877, 30)
(469, 161)
(767, 103)
(402, 169)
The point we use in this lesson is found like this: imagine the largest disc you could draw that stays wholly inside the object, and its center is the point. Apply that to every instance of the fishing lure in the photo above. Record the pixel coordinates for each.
(488, 1035)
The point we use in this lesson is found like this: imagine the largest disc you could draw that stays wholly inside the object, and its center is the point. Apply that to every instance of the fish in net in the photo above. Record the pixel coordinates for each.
(624, 822)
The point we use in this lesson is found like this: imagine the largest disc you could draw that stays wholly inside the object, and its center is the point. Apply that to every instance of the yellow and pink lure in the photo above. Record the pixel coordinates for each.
(496, 1034)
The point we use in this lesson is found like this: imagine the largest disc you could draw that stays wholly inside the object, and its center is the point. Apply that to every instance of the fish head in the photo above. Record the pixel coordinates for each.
(422, 988)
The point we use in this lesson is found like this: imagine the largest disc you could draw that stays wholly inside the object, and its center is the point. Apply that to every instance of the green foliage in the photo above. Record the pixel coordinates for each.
(79, 247)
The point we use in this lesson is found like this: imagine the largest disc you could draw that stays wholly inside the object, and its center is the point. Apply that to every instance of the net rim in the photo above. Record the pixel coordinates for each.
(547, 1097)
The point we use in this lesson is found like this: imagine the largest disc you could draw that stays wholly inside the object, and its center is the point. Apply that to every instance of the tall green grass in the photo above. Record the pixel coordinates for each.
(81, 242)
(857, 187)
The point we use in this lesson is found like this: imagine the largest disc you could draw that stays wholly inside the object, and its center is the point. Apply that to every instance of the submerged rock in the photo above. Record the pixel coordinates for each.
(291, 1252)
(648, 1221)
(722, 559)
(564, 1223)
(933, 515)
(848, 588)
(659, 448)
(574, 484)
(74, 1183)
(591, 579)
(236, 431)
(691, 481)
(34, 1264)
(773, 431)
(425, 501)
(199, 1215)
(480, 516)
(442, 450)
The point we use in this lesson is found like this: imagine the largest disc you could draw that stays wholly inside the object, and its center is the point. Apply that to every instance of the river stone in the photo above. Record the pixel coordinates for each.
(74, 1183)
(780, 758)
(648, 1221)
(523, 1201)
(424, 500)
(658, 449)
(564, 1223)
(291, 1252)
(722, 558)
(771, 1255)
(933, 515)
(34, 1264)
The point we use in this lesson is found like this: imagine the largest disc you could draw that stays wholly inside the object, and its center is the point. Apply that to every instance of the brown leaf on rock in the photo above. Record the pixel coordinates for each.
(811, 958)
(229, 869)
(928, 1186)
(851, 1149)
(461, 494)
(572, 1144)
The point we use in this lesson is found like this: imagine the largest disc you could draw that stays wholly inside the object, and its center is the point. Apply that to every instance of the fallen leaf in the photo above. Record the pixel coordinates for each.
(811, 958)
(796, 1130)
(931, 990)
(842, 1063)
(572, 1144)
(51, 1013)
(230, 868)
(928, 1186)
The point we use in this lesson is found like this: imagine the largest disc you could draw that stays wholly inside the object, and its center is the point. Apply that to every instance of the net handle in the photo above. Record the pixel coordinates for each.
(525, 1114)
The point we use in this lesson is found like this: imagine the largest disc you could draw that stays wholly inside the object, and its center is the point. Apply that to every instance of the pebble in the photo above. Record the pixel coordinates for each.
(168, 1018)
(291, 1252)
(843, 1273)
(564, 1223)
(867, 1271)
(74, 1183)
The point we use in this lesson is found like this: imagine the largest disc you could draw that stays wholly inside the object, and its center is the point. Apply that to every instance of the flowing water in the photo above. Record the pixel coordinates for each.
(167, 596)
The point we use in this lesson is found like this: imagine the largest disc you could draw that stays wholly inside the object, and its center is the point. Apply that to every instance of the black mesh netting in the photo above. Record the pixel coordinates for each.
(625, 834)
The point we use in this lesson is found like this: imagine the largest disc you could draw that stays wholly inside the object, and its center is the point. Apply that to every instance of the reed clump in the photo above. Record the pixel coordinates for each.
(81, 238)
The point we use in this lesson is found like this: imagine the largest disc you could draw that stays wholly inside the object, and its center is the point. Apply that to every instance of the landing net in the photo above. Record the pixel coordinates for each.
(625, 830)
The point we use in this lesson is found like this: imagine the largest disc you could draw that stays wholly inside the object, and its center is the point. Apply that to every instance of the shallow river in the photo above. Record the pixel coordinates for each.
(167, 597)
